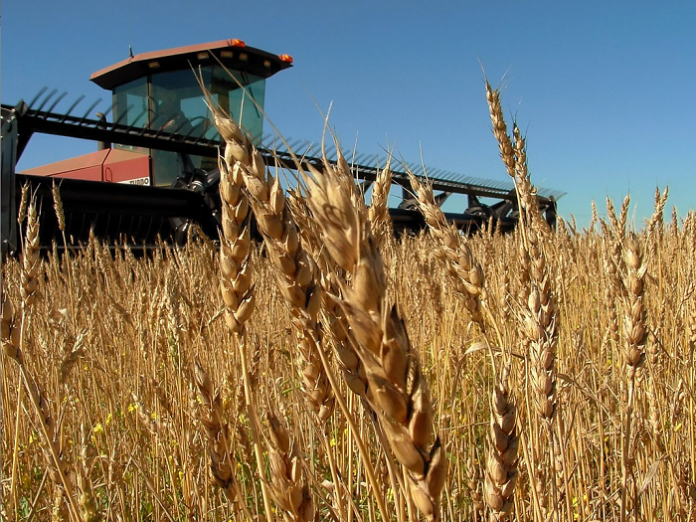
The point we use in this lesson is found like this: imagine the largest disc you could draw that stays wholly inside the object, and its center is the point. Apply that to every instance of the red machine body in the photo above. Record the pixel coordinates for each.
(110, 165)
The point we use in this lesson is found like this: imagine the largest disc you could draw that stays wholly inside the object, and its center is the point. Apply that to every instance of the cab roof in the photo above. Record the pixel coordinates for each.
(233, 54)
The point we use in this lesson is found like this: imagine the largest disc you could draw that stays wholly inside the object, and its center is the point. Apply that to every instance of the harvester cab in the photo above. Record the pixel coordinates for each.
(161, 91)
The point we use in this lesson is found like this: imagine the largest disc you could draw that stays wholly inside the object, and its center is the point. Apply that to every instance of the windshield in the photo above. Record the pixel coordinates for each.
(173, 102)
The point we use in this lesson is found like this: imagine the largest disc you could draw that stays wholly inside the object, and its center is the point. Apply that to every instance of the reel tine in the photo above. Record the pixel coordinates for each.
(72, 107)
(45, 101)
(89, 110)
(38, 95)
(56, 102)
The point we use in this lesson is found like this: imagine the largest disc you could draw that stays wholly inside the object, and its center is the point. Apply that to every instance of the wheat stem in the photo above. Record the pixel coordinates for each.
(255, 431)
(364, 454)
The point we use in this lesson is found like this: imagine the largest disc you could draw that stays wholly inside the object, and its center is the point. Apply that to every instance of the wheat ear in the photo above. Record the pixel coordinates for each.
(310, 235)
(396, 391)
(378, 212)
(288, 487)
(500, 129)
(293, 266)
(335, 331)
(462, 267)
(23, 205)
(10, 327)
(295, 272)
(540, 330)
(58, 208)
(501, 466)
(217, 430)
(656, 222)
(525, 190)
(514, 158)
(218, 433)
(635, 316)
(30, 259)
(235, 246)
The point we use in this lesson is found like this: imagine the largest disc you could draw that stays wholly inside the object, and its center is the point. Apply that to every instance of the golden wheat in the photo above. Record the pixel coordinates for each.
(122, 386)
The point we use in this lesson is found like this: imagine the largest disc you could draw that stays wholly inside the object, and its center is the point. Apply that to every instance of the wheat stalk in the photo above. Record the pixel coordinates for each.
(235, 247)
(538, 300)
(635, 333)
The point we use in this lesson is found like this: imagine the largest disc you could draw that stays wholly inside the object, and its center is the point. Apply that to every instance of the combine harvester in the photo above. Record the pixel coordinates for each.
(155, 171)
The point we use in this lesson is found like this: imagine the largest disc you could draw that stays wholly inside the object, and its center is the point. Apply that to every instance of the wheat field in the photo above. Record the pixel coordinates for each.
(337, 372)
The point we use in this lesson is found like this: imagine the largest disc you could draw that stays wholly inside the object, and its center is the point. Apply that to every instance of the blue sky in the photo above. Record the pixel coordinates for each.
(604, 90)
